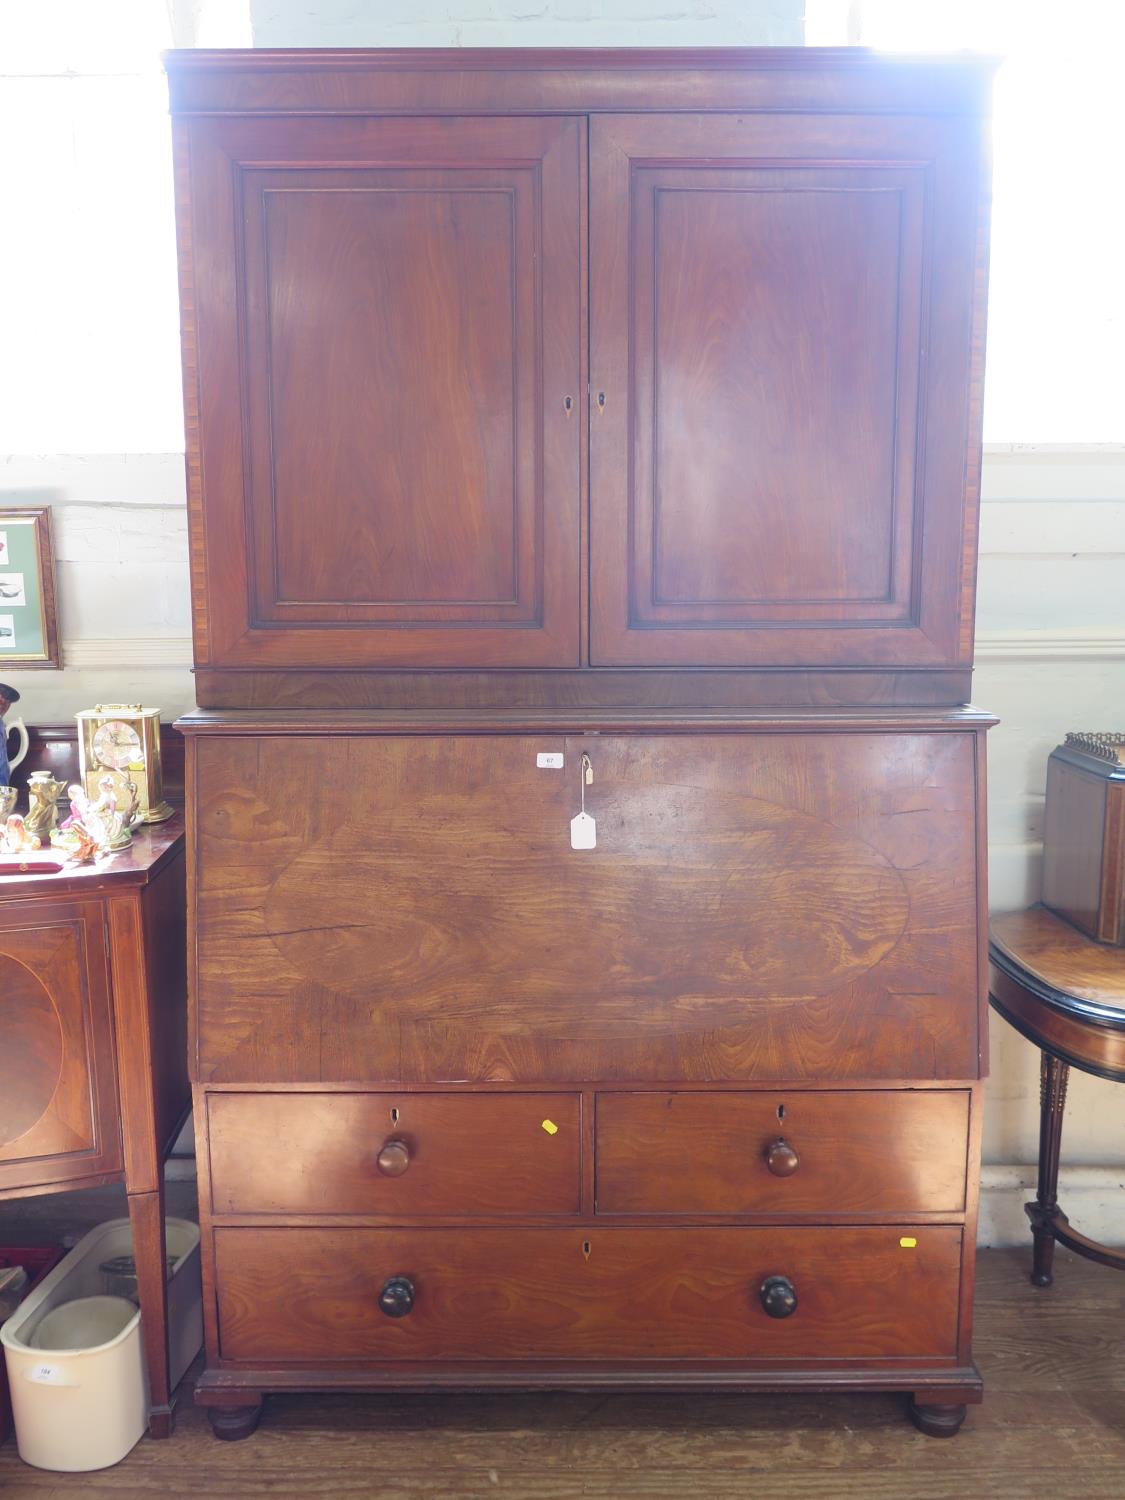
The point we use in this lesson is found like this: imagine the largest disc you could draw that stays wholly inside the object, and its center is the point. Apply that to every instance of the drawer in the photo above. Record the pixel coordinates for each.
(833, 1152)
(402, 1154)
(313, 1295)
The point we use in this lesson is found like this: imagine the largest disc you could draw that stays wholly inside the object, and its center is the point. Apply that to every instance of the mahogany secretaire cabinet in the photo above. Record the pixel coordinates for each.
(586, 832)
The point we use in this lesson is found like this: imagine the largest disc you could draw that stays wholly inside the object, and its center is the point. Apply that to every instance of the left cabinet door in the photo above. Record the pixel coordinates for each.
(58, 1091)
(382, 337)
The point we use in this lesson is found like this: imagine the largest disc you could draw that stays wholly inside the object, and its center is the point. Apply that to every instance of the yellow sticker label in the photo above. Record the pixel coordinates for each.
(550, 1127)
(908, 1242)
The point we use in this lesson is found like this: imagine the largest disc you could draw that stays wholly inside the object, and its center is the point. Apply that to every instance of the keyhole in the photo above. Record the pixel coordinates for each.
(394, 1116)
(567, 403)
(601, 401)
(586, 1249)
(781, 1111)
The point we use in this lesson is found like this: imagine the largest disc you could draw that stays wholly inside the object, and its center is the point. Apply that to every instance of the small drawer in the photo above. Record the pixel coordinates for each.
(333, 1296)
(402, 1154)
(830, 1152)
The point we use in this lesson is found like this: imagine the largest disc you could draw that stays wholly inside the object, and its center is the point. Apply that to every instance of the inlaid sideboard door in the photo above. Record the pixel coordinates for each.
(382, 366)
(57, 1093)
(779, 366)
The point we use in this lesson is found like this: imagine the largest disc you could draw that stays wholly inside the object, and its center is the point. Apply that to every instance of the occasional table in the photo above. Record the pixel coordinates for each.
(93, 1047)
(1065, 993)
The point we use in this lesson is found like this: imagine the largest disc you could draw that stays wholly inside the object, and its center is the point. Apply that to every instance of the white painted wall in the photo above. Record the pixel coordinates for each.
(1050, 657)
(527, 23)
(1051, 618)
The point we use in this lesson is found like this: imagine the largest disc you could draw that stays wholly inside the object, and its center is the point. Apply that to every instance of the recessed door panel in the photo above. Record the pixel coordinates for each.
(388, 333)
(780, 350)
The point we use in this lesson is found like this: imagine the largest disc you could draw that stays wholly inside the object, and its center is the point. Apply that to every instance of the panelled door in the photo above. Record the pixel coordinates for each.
(58, 1114)
(383, 321)
(781, 328)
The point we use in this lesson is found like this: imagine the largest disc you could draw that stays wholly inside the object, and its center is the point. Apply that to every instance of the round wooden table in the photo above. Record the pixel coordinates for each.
(1066, 994)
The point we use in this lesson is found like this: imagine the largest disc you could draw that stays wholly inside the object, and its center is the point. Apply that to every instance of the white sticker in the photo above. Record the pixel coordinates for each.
(48, 1375)
(549, 760)
(583, 831)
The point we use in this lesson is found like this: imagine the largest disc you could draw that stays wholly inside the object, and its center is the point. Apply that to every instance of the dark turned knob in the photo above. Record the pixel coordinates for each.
(781, 1159)
(779, 1296)
(394, 1158)
(397, 1297)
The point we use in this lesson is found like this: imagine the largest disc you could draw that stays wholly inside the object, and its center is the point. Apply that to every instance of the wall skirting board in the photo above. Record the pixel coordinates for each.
(1049, 645)
(1093, 1198)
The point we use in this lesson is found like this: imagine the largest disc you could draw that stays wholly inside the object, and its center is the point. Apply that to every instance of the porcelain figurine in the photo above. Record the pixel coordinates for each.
(43, 793)
(105, 819)
(16, 837)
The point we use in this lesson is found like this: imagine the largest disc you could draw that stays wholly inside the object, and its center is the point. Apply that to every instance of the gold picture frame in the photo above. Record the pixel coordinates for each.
(29, 630)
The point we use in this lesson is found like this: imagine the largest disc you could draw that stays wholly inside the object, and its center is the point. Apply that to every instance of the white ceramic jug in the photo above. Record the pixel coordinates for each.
(19, 729)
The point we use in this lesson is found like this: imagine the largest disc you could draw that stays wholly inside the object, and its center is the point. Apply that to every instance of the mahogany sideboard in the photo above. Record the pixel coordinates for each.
(93, 1075)
(586, 832)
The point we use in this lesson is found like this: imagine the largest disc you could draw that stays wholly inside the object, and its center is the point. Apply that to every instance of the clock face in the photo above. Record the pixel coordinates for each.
(117, 745)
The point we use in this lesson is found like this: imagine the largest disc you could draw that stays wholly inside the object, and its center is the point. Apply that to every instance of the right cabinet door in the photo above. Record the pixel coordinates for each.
(784, 415)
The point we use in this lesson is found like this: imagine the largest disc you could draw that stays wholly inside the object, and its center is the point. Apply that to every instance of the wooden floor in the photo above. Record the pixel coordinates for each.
(1053, 1424)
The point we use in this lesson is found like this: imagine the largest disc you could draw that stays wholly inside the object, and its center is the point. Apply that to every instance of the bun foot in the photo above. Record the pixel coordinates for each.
(231, 1424)
(937, 1421)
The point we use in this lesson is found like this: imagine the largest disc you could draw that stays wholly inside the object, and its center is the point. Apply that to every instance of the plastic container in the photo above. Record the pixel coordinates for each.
(37, 1260)
(85, 1324)
(81, 1407)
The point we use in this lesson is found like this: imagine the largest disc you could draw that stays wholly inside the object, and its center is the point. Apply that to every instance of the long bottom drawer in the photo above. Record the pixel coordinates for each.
(338, 1295)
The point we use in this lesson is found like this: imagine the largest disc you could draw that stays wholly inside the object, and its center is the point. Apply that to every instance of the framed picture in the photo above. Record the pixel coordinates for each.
(29, 633)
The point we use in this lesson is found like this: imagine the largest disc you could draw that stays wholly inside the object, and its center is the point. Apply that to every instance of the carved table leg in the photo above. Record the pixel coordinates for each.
(1052, 1102)
(936, 1419)
(233, 1423)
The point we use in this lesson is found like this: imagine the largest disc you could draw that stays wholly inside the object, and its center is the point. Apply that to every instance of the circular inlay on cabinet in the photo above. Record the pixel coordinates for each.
(31, 1050)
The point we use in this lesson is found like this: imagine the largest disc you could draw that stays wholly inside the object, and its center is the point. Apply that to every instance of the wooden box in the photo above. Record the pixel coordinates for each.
(1084, 841)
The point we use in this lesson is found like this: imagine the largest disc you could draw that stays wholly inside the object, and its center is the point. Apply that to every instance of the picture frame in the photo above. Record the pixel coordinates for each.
(29, 632)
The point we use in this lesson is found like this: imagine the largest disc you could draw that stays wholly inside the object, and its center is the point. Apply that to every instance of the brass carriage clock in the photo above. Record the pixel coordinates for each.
(122, 740)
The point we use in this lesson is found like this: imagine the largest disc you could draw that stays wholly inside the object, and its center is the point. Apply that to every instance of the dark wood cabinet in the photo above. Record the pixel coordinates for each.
(585, 436)
(58, 1117)
(93, 1021)
(386, 316)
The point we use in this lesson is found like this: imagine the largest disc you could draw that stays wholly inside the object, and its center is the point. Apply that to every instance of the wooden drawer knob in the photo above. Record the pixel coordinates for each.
(397, 1297)
(779, 1296)
(394, 1158)
(781, 1159)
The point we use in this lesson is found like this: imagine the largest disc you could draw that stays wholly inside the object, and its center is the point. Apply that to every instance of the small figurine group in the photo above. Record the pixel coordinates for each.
(95, 826)
(100, 825)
